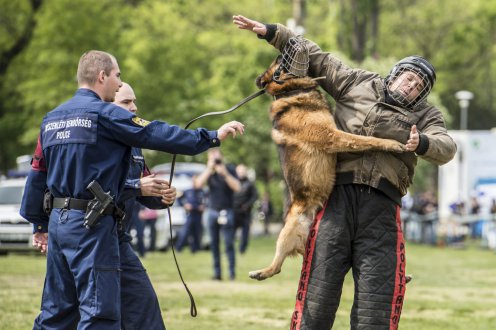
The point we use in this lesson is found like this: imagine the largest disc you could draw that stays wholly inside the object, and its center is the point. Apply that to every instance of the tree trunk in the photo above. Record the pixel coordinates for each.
(9, 55)
(359, 29)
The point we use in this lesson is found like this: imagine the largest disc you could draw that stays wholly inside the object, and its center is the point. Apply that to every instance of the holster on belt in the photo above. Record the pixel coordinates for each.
(97, 205)
(102, 204)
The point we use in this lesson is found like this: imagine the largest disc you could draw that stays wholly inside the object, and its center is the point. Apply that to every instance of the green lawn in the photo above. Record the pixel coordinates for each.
(452, 289)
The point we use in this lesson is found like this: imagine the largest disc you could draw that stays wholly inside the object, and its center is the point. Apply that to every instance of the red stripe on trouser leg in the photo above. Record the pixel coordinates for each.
(305, 271)
(399, 282)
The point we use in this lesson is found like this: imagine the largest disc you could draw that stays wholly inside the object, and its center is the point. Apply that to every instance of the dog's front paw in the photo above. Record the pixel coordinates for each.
(397, 147)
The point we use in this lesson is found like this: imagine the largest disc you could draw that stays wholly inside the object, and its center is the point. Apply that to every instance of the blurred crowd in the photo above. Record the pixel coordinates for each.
(468, 221)
(214, 211)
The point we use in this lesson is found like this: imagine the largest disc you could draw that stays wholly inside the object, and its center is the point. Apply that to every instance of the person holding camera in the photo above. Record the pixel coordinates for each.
(222, 183)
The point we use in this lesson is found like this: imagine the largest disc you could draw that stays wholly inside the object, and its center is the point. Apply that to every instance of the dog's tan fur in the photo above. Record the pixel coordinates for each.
(308, 140)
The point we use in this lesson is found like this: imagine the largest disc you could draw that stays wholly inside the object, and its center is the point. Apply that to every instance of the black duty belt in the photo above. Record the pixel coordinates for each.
(77, 204)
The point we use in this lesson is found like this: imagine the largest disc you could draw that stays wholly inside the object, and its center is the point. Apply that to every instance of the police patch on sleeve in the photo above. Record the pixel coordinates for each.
(140, 121)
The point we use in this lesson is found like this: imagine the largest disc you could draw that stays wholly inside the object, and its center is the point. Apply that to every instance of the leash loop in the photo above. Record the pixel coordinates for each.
(240, 103)
(193, 311)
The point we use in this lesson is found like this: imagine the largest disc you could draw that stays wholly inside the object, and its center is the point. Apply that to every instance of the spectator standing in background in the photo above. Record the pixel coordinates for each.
(148, 218)
(475, 222)
(266, 211)
(222, 183)
(493, 206)
(193, 201)
(243, 203)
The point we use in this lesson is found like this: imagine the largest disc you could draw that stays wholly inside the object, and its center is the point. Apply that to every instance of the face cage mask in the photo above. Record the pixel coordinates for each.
(295, 58)
(401, 98)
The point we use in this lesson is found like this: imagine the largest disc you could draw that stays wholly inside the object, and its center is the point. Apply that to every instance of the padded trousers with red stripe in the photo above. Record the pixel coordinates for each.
(359, 228)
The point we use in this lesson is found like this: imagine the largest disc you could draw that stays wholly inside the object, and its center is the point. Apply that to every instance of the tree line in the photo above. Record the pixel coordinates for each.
(185, 58)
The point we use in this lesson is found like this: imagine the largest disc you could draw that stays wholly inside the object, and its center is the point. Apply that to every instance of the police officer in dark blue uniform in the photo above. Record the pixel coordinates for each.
(83, 141)
(134, 222)
(193, 202)
(140, 308)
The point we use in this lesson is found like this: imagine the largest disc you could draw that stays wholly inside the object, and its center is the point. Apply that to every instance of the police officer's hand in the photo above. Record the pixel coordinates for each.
(40, 242)
(413, 141)
(169, 196)
(152, 186)
(230, 128)
(248, 24)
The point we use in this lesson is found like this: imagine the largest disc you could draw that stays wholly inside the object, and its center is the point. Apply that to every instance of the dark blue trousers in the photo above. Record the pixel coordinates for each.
(243, 220)
(82, 282)
(139, 304)
(228, 230)
(191, 232)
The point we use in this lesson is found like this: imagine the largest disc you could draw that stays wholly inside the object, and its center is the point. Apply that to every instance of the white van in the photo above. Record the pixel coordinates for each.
(15, 232)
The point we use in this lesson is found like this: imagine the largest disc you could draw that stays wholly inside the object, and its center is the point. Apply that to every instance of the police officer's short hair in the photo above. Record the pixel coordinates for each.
(91, 63)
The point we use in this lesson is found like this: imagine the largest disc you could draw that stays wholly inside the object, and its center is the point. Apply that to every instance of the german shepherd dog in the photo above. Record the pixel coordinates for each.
(308, 141)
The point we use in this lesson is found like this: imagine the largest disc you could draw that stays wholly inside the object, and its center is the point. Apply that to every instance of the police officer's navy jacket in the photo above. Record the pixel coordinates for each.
(132, 194)
(87, 139)
(195, 197)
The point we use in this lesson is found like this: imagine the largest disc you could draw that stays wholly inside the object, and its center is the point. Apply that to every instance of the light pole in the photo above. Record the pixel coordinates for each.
(463, 98)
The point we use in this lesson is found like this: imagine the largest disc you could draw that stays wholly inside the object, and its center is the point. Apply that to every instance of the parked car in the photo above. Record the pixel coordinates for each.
(182, 180)
(15, 232)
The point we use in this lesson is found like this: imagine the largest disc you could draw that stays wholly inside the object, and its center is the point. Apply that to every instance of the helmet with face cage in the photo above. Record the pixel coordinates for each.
(422, 68)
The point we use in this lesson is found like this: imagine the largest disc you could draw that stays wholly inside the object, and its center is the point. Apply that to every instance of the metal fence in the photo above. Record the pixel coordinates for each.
(454, 231)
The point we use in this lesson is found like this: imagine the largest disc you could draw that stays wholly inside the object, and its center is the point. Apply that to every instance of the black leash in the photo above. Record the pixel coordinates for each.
(193, 310)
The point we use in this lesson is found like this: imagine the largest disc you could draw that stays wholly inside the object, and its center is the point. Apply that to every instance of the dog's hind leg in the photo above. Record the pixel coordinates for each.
(291, 241)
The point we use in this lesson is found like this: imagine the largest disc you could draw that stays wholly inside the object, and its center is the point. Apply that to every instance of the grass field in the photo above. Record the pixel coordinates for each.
(452, 289)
